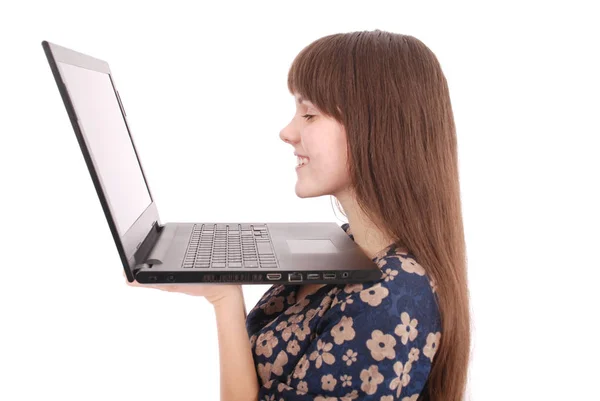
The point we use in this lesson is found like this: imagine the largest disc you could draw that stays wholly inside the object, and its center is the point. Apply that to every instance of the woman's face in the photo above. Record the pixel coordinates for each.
(323, 141)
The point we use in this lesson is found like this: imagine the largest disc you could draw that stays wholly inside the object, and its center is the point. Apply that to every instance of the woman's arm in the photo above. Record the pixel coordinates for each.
(238, 375)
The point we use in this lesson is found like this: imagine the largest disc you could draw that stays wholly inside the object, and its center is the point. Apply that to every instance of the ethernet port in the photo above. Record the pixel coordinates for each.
(295, 277)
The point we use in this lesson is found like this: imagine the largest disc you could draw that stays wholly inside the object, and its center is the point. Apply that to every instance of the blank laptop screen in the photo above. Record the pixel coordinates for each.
(108, 142)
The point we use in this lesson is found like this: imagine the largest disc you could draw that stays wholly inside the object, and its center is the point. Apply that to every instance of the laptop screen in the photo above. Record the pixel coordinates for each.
(108, 142)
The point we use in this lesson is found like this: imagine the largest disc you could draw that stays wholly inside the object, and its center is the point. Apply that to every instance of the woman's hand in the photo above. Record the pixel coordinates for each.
(214, 293)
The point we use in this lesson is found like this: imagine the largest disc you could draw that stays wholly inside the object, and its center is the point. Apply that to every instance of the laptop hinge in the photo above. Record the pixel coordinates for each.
(163, 244)
(148, 244)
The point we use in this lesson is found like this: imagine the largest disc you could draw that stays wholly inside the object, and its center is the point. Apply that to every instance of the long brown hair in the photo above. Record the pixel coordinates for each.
(389, 92)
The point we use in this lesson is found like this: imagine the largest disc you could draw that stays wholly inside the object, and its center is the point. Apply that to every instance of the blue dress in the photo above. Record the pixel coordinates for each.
(369, 341)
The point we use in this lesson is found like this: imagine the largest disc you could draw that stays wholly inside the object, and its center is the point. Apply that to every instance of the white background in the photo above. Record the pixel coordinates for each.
(205, 86)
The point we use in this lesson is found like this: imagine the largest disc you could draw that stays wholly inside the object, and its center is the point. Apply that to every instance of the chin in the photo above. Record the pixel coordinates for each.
(304, 192)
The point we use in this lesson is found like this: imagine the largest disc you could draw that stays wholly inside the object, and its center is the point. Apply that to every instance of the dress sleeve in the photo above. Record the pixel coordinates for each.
(377, 346)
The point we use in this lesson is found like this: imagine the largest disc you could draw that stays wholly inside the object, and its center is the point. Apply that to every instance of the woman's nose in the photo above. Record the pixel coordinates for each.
(288, 134)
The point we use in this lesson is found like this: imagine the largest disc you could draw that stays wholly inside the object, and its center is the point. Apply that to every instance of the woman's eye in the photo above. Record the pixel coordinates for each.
(308, 116)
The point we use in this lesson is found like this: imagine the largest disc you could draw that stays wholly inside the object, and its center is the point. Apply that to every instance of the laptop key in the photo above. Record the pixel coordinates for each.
(264, 248)
(235, 264)
(250, 263)
(217, 264)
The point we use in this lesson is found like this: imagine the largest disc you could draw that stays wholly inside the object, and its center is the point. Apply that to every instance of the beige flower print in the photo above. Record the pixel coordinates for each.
(296, 319)
(274, 305)
(294, 328)
(301, 368)
(272, 293)
(381, 263)
(280, 361)
(346, 380)
(302, 387)
(347, 301)
(293, 347)
(408, 329)
(290, 297)
(269, 397)
(310, 314)
(343, 331)
(265, 343)
(413, 397)
(264, 371)
(252, 340)
(374, 295)
(322, 354)
(278, 290)
(350, 396)
(282, 387)
(326, 301)
(413, 355)
(350, 357)
(433, 286)
(387, 398)
(410, 265)
(328, 382)
(433, 340)
(298, 307)
(389, 274)
(381, 345)
(371, 378)
(301, 333)
(402, 377)
(325, 304)
(286, 333)
(325, 398)
(282, 325)
(341, 302)
(350, 288)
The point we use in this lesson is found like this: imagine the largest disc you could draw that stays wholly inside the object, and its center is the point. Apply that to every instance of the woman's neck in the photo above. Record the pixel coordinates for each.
(366, 234)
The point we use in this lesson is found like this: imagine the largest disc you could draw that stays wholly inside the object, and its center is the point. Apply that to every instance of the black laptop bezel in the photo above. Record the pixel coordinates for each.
(147, 226)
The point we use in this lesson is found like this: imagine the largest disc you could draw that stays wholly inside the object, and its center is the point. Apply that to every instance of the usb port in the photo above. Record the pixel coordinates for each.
(273, 276)
(312, 276)
(328, 276)
(294, 277)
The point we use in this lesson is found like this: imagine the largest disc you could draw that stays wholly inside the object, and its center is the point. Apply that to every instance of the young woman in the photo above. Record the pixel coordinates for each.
(374, 128)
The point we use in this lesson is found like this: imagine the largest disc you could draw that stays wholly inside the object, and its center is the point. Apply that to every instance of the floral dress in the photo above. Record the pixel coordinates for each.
(369, 341)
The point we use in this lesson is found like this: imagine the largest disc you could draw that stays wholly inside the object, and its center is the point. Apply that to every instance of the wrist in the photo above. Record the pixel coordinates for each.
(231, 298)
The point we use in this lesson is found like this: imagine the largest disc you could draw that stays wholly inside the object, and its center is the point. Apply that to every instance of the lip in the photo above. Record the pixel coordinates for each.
(298, 154)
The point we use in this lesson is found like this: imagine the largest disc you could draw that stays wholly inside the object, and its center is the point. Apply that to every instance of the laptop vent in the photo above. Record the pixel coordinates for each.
(231, 277)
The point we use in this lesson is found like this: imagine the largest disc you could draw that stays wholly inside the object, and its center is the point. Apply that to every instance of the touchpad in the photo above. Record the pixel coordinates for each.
(311, 246)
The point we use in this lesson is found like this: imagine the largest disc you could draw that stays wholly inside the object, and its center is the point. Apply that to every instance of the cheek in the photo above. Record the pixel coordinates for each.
(331, 162)
(327, 148)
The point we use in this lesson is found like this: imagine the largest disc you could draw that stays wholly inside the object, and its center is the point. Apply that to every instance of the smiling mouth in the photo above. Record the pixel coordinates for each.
(302, 161)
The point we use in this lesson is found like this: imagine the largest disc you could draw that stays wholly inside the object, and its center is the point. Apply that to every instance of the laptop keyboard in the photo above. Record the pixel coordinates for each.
(229, 245)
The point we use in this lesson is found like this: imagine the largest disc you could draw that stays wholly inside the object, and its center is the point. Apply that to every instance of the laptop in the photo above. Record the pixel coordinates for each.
(208, 252)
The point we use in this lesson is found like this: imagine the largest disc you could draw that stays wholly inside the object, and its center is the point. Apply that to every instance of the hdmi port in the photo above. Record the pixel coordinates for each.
(328, 275)
(312, 276)
(273, 276)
